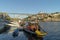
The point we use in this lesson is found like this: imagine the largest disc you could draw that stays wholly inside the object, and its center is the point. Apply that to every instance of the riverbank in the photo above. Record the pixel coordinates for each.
(52, 20)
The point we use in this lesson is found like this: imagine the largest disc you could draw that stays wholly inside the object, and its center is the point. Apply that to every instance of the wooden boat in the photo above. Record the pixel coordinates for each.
(36, 33)
(32, 37)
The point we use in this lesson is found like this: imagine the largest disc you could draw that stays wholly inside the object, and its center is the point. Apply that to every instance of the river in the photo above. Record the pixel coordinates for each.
(52, 28)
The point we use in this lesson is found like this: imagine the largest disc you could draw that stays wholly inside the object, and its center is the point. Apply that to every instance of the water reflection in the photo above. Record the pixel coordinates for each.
(32, 37)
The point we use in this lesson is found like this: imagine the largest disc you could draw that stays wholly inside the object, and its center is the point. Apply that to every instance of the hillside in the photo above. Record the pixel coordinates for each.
(44, 17)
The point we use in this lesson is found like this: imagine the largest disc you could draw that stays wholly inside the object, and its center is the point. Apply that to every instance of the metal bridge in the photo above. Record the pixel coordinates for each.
(27, 14)
(19, 15)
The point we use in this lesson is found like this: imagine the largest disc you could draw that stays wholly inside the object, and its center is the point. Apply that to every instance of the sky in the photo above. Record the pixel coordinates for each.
(29, 6)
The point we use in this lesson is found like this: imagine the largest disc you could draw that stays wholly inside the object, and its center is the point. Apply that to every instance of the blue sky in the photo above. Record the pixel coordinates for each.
(29, 6)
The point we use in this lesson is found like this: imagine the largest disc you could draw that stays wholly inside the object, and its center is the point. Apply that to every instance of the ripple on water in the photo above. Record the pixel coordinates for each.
(53, 29)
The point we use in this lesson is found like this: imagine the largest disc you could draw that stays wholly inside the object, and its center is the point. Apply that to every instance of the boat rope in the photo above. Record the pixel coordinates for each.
(42, 29)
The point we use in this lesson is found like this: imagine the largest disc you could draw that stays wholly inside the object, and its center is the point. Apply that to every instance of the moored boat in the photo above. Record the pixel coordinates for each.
(34, 29)
(36, 33)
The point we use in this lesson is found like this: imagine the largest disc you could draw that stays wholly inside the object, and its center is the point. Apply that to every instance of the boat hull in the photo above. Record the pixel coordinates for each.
(33, 33)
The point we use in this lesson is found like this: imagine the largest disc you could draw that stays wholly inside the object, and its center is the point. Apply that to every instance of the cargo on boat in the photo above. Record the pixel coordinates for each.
(37, 32)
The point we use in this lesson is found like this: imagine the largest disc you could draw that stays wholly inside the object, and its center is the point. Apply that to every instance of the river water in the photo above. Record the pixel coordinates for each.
(52, 28)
